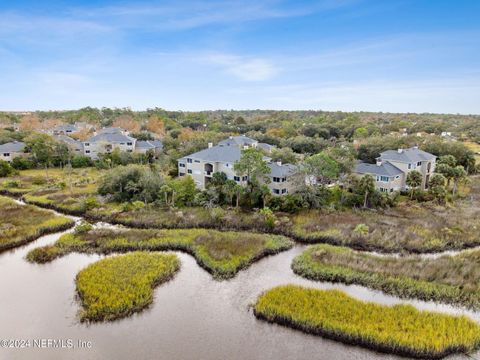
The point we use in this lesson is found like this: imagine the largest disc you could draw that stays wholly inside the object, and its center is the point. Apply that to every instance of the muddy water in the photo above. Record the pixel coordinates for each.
(193, 316)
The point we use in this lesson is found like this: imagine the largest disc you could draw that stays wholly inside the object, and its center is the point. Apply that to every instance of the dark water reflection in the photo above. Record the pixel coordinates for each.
(193, 316)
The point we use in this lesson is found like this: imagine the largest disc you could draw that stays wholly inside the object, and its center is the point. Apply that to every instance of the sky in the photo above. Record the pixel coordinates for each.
(348, 55)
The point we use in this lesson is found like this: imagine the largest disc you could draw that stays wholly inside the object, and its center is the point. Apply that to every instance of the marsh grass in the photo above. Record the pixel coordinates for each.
(399, 329)
(20, 224)
(223, 254)
(116, 287)
(448, 279)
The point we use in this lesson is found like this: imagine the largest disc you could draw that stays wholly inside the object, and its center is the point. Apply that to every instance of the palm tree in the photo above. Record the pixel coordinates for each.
(367, 186)
(414, 180)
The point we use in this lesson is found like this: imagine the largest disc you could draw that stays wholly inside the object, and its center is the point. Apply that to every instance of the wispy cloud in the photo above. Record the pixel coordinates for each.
(244, 68)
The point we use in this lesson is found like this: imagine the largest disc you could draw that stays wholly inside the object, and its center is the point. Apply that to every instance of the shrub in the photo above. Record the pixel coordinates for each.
(21, 163)
(83, 228)
(5, 169)
(361, 229)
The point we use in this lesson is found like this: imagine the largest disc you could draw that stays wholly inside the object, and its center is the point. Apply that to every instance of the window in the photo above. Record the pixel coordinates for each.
(181, 174)
(409, 166)
(419, 163)
(397, 177)
(236, 178)
(87, 151)
(245, 178)
(284, 191)
(87, 144)
(384, 178)
(189, 161)
(284, 179)
(276, 191)
(189, 171)
(122, 143)
(129, 144)
(181, 165)
(6, 154)
(129, 150)
(197, 161)
(276, 179)
(378, 178)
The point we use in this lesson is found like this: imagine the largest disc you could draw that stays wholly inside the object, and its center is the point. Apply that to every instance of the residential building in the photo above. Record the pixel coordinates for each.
(11, 150)
(75, 145)
(392, 167)
(107, 140)
(144, 146)
(221, 158)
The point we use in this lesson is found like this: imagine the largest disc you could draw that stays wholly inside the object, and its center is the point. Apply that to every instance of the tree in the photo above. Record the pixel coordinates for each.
(366, 187)
(458, 175)
(5, 169)
(322, 167)
(285, 155)
(156, 126)
(43, 149)
(252, 165)
(126, 122)
(437, 187)
(230, 190)
(414, 180)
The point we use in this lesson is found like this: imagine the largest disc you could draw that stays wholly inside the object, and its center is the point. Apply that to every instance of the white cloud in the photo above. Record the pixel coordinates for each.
(245, 68)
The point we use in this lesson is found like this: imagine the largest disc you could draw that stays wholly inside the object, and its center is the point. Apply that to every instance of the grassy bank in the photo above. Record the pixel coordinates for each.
(223, 254)
(399, 329)
(448, 279)
(119, 286)
(20, 224)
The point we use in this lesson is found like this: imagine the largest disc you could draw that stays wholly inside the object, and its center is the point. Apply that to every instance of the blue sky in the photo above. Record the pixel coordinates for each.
(371, 55)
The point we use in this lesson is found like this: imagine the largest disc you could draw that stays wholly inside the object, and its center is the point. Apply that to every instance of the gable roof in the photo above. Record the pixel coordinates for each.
(65, 127)
(385, 169)
(217, 154)
(407, 155)
(149, 144)
(111, 130)
(77, 144)
(238, 141)
(114, 137)
(265, 146)
(282, 170)
(15, 146)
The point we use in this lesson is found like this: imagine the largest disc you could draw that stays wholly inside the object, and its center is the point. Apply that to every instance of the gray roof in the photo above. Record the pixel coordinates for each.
(114, 137)
(407, 155)
(65, 127)
(68, 140)
(150, 144)
(385, 169)
(265, 146)
(15, 146)
(282, 170)
(111, 130)
(217, 153)
(237, 140)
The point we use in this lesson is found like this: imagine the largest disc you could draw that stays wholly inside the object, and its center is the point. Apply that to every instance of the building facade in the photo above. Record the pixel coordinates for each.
(221, 158)
(11, 150)
(392, 167)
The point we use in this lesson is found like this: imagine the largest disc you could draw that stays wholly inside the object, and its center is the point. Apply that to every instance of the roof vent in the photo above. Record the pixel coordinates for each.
(279, 163)
(379, 162)
(230, 137)
(210, 145)
(416, 147)
(400, 151)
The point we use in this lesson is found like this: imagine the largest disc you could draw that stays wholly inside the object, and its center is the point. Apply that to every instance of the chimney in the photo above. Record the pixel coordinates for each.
(379, 162)
(230, 137)
(415, 147)
(400, 151)
(210, 145)
(279, 163)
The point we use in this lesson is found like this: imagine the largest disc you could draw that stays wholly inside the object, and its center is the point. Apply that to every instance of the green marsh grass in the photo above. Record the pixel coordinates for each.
(223, 254)
(448, 279)
(399, 329)
(118, 286)
(20, 224)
